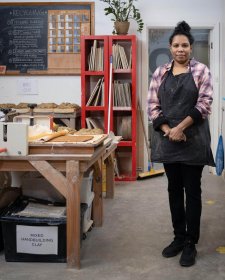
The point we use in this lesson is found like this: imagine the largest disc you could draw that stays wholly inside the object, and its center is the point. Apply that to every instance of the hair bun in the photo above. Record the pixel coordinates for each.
(183, 27)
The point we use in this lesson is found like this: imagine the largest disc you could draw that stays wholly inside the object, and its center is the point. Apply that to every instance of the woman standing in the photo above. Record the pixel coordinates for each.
(179, 102)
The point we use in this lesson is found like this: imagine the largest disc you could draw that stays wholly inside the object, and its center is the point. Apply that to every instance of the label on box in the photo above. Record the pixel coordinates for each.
(37, 240)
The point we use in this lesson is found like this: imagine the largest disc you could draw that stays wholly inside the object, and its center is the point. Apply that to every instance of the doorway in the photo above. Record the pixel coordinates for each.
(159, 53)
(205, 50)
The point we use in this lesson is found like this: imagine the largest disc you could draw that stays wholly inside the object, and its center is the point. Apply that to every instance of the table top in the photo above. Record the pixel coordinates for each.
(61, 151)
(96, 141)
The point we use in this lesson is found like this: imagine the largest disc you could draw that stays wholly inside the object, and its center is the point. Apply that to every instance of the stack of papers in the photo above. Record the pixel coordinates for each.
(41, 210)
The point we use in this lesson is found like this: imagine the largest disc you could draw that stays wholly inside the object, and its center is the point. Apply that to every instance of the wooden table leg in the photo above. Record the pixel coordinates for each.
(98, 201)
(109, 177)
(74, 178)
(70, 188)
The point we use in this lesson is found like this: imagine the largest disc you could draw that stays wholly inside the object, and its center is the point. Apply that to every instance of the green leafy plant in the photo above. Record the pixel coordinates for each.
(123, 10)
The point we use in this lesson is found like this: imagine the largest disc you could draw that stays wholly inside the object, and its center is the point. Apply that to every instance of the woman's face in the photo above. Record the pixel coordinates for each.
(180, 49)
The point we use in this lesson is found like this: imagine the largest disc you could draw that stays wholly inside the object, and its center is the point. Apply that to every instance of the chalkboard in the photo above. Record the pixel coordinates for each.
(43, 38)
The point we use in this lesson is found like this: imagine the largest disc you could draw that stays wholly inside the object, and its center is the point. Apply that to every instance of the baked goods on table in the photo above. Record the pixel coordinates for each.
(82, 131)
(67, 105)
(45, 107)
(7, 105)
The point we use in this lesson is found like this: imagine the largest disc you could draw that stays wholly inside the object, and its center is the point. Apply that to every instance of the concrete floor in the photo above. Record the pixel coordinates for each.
(136, 229)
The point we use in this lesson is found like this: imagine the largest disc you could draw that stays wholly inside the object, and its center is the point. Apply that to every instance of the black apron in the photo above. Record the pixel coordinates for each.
(178, 96)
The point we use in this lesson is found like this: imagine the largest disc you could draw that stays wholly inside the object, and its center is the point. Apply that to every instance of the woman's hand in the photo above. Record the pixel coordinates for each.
(166, 129)
(176, 134)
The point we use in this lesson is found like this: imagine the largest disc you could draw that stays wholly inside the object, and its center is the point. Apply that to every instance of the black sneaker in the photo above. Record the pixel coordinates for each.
(173, 249)
(188, 255)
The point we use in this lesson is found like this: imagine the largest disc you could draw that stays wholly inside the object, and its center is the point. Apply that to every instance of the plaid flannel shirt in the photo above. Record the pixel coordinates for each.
(202, 78)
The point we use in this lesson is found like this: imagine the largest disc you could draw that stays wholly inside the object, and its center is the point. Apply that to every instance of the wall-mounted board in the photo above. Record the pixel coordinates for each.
(43, 38)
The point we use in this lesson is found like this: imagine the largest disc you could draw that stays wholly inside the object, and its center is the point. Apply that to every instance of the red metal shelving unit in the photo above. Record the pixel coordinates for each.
(89, 80)
(126, 151)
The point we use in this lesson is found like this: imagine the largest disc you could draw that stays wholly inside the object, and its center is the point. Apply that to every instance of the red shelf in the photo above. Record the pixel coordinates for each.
(95, 108)
(122, 71)
(90, 78)
(124, 143)
(122, 108)
(94, 73)
(126, 150)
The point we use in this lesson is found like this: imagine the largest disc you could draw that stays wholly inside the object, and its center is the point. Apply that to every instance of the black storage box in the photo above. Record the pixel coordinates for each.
(7, 196)
(34, 239)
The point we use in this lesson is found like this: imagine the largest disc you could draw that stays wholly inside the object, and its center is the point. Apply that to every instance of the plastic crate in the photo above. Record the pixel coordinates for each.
(36, 186)
(87, 214)
(86, 187)
(34, 239)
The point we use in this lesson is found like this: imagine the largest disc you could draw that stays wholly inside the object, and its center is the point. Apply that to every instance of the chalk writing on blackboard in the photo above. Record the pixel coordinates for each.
(43, 38)
(24, 38)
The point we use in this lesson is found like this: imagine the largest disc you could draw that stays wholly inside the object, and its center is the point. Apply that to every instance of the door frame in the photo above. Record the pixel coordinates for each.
(215, 68)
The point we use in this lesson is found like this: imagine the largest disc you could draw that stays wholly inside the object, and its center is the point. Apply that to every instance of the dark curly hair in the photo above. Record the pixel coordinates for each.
(182, 28)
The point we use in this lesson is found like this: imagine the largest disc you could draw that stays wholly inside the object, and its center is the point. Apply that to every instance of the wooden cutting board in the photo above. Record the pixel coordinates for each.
(72, 139)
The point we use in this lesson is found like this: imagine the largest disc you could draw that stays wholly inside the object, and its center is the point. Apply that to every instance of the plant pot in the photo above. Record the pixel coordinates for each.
(121, 27)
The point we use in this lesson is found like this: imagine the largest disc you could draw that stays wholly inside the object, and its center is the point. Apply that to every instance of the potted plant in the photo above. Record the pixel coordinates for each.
(123, 11)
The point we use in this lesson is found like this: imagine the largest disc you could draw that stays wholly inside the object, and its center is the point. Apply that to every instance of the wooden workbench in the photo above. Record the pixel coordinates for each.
(74, 159)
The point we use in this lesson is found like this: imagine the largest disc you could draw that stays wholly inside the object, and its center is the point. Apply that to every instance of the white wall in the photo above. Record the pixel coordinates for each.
(52, 88)
(68, 88)
(200, 13)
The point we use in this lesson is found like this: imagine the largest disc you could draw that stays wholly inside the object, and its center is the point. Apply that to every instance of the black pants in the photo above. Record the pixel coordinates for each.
(185, 214)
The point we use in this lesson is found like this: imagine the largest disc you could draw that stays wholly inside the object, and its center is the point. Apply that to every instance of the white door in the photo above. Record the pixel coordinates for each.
(159, 53)
(205, 50)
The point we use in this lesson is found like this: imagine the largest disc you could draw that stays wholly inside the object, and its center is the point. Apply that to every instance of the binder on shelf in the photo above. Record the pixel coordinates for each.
(127, 94)
(121, 94)
(123, 58)
(93, 123)
(103, 94)
(96, 94)
(97, 101)
(96, 58)
(92, 56)
(99, 60)
(120, 58)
